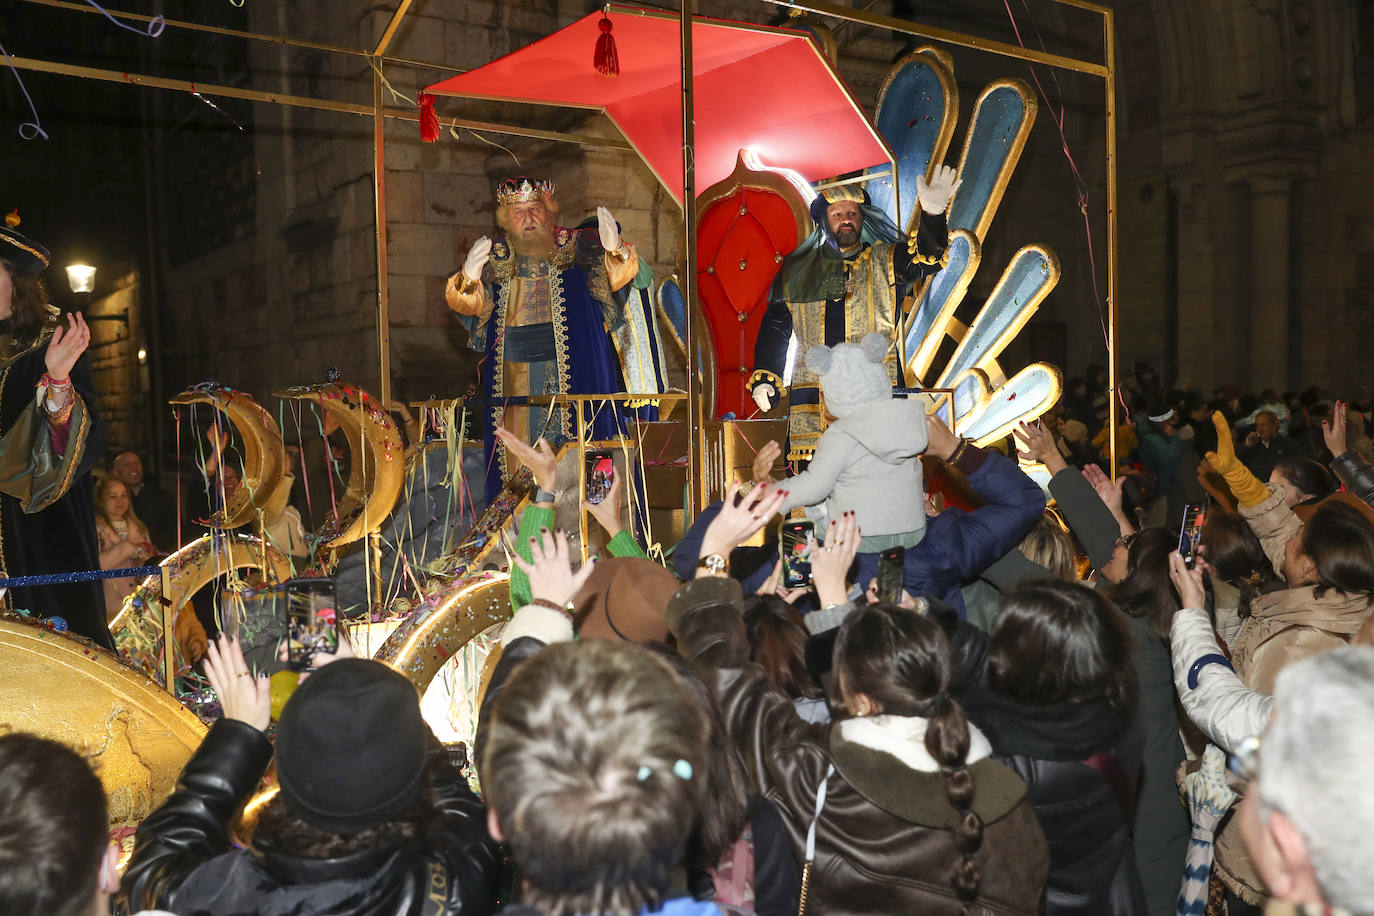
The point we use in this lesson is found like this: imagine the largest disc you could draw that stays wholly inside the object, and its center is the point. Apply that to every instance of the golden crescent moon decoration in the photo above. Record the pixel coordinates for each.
(264, 456)
(137, 629)
(378, 465)
(134, 734)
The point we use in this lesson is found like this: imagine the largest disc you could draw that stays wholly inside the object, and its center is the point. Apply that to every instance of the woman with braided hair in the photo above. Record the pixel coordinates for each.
(897, 808)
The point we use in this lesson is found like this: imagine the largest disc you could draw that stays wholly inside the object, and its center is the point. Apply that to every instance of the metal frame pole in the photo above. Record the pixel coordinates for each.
(1109, 43)
(689, 274)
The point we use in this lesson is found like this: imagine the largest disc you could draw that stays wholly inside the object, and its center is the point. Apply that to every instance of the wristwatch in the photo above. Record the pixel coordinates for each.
(715, 564)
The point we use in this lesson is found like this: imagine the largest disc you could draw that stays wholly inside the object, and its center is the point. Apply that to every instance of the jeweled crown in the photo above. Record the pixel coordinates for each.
(522, 190)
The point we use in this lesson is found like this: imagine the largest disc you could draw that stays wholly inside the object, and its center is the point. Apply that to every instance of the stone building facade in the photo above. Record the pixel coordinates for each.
(1246, 198)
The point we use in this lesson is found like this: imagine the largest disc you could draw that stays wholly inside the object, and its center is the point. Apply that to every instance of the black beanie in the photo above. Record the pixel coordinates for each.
(351, 746)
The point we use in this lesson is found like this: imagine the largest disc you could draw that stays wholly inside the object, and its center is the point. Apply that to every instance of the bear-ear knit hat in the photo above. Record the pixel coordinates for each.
(852, 376)
(352, 746)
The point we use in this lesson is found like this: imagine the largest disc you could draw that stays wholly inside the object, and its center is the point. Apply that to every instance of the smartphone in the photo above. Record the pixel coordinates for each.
(600, 475)
(312, 621)
(795, 543)
(891, 573)
(1190, 534)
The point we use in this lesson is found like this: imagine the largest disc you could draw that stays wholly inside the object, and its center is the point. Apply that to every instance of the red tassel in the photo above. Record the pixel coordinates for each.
(429, 121)
(607, 59)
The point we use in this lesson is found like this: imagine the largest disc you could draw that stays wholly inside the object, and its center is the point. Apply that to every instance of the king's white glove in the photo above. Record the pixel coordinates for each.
(609, 232)
(763, 396)
(477, 258)
(935, 196)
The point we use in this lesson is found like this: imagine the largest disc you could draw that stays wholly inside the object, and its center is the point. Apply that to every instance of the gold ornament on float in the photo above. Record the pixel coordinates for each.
(134, 734)
(378, 460)
(137, 630)
(264, 456)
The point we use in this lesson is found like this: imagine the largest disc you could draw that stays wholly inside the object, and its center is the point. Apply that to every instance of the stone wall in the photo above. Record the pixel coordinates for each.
(297, 296)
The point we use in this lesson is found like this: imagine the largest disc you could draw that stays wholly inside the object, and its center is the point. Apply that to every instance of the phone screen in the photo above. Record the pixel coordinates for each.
(312, 623)
(795, 543)
(600, 476)
(891, 572)
(1190, 534)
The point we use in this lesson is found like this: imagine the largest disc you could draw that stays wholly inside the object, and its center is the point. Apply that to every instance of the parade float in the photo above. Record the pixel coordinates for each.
(429, 570)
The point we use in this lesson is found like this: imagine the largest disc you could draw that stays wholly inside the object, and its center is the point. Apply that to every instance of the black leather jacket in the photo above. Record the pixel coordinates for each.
(1356, 474)
(184, 862)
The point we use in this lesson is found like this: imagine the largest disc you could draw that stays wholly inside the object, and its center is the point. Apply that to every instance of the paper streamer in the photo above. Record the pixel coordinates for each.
(35, 129)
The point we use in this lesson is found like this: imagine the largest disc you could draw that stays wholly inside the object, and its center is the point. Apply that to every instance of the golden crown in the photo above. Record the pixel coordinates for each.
(844, 192)
(522, 190)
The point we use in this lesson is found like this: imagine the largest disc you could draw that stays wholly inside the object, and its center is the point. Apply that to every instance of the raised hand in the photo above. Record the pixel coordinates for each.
(539, 458)
(764, 395)
(1187, 581)
(1037, 444)
(477, 258)
(830, 563)
(608, 512)
(940, 442)
(1333, 430)
(608, 230)
(738, 520)
(243, 697)
(1224, 458)
(1109, 490)
(65, 347)
(764, 461)
(934, 196)
(551, 576)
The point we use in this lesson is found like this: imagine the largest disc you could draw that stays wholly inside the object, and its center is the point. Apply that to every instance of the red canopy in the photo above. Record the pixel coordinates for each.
(765, 89)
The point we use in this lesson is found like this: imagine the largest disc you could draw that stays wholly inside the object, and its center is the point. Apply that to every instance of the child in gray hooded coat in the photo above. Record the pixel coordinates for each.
(868, 461)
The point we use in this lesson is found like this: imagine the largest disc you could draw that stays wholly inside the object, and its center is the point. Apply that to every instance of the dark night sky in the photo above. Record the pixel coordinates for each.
(82, 191)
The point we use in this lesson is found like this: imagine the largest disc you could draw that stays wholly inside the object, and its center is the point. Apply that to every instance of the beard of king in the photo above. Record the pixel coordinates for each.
(528, 226)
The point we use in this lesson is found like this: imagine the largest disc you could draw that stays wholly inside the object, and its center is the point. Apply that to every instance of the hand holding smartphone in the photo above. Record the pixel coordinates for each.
(1190, 534)
(600, 475)
(891, 574)
(312, 624)
(795, 543)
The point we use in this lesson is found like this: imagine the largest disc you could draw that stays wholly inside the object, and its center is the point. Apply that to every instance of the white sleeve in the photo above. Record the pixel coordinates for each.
(1220, 705)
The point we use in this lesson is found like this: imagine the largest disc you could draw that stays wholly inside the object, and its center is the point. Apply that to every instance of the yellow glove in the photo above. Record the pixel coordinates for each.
(1248, 489)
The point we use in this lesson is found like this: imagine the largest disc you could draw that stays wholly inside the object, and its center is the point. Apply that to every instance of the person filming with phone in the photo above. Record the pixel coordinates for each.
(372, 818)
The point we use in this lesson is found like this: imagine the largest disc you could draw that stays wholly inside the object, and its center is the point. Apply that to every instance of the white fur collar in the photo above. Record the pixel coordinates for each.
(904, 738)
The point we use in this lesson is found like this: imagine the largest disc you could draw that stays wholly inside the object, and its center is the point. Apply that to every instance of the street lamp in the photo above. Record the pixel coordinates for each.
(81, 277)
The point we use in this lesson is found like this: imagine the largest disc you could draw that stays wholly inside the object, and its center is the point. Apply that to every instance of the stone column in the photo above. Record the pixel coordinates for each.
(1270, 263)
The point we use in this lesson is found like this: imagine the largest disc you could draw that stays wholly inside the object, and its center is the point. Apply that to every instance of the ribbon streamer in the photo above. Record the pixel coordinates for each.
(34, 127)
(85, 575)
(155, 25)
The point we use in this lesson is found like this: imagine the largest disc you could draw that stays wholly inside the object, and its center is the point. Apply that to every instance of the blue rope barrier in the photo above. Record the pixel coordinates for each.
(84, 576)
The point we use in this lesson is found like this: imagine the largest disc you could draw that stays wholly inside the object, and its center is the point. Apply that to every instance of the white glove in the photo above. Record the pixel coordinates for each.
(935, 196)
(606, 227)
(478, 255)
(763, 396)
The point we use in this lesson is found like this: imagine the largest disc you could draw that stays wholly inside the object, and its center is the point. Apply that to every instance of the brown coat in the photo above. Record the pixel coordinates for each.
(1286, 626)
(884, 841)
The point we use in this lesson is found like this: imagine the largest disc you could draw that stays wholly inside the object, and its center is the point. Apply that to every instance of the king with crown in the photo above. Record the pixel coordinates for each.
(548, 307)
(849, 278)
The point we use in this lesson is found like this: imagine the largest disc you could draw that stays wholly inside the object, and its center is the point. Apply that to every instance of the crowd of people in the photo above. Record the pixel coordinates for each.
(979, 702)
(1010, 735)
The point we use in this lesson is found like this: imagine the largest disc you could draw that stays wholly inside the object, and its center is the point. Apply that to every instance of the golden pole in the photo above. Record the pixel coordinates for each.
(908, 27)
(169, 618)
(689, 274)
(1109, 42)
(379, 204)
(239, 33)
(297, 101)
(390, 31)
